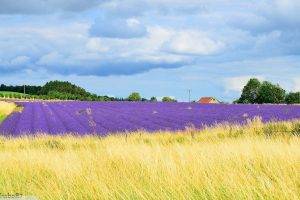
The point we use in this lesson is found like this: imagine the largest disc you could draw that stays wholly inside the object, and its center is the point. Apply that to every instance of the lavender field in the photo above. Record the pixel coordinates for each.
(110, 117)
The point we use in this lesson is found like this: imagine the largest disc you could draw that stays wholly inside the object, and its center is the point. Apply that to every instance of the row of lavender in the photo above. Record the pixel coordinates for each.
(109, 117)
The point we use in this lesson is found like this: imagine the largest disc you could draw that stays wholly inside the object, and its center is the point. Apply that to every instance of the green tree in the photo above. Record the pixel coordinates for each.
(63, 87)
(153, 99)
(270, 93)
(168, 99)
(250, 92)
(292, 98)
(135, 96)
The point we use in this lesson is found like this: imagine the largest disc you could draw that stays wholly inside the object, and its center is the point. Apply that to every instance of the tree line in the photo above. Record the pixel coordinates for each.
(256, 92)
(135, 96)
(64, 90)
(29, 89)
(61, 90)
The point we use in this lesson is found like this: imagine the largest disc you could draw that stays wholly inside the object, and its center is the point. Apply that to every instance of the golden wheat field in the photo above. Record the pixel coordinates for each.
(225, 162)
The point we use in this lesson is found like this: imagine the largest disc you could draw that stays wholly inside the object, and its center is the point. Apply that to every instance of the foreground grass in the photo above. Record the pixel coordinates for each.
(5, 109)
(226, 162)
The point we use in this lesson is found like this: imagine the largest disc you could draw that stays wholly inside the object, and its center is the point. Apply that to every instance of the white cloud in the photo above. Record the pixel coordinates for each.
(236, 84)
(296, 85)
(44, 7)
(193, 42)
(20, 60)
(115, 27)
(96, 45)
(147, 48)
(50, 59)
(133, 22)
(288, 8)
(149, 34)
(14, 63)
(157, 37)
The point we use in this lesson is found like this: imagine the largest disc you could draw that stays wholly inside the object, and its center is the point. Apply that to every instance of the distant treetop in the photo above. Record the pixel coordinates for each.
(63, 87)
(266, 92)
(135, 96)
(168, 99)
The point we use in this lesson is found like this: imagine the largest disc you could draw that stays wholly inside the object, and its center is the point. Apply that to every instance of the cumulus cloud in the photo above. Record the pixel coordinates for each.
(288, 9)
(52, 58)
(118, 28)
(12, 65)
(296, 85)
(44, 7)
(237, 83)
(96, 45)
(193, 42)
(154, 7)
(117, 38)
(70, 50)
(54, 63)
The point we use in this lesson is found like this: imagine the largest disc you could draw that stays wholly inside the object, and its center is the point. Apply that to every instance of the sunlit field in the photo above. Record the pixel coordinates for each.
(150, 100)
(6, 109)
(226, 162)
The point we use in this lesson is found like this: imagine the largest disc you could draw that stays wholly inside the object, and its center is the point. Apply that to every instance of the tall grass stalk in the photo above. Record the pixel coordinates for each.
(224, 162)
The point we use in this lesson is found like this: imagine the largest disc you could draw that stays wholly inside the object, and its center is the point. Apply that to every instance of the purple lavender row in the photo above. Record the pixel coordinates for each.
(109, 117)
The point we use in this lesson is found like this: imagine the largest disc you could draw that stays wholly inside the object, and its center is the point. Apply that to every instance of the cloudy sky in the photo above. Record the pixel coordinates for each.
(156, 47)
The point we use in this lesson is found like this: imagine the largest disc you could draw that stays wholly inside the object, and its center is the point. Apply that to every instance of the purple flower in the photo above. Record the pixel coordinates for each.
(110, 117)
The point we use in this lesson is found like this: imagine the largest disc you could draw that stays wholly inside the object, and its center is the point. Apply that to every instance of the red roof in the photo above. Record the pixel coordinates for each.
(207, 100)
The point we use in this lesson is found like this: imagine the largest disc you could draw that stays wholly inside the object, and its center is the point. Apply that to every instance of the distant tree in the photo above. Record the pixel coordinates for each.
(33, 90)
(270, 93)
(120, 99)
(236, 101)
(135, 96)
(250, 92)
(168, 99)
(153, 99)
(63, 87)
(293, 98)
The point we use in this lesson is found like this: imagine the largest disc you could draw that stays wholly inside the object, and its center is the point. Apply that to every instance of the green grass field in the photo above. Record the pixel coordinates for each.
(7, 94)
(226, 162)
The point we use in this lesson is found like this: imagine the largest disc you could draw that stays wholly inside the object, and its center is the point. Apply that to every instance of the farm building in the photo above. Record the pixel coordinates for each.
(205, 100)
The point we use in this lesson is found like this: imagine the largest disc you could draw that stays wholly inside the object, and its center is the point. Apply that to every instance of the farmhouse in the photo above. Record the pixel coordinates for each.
(206, 100)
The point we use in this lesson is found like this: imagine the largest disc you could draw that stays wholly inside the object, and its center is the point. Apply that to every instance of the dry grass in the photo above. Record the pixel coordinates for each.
(225, 162)
(5, 109)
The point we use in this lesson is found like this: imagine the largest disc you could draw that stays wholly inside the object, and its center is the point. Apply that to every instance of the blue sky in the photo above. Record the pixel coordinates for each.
(156, 47)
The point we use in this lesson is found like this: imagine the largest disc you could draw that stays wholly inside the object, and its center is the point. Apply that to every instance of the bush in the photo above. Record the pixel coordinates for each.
(135, 96)
(153, 99)
(293, 98)
(168, 99)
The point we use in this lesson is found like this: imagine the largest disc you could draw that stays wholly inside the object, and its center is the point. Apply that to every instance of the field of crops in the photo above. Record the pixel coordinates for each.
(252, 161)
(110, 117)
(7, 94)
(220, 163)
